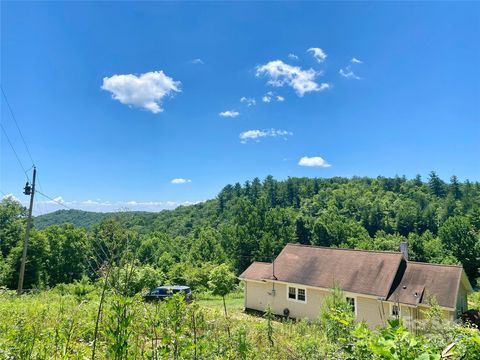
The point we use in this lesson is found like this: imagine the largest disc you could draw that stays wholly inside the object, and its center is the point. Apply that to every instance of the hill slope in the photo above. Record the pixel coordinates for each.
(78, 218)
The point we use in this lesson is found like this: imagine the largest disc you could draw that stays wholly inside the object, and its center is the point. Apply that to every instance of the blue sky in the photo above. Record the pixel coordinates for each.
(116, 100)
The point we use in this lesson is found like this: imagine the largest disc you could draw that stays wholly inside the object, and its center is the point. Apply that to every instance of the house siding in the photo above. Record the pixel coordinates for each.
(260, 295)
(375, 312)
(462, 304)
(371, 311)
(256, 295)
(298, 310)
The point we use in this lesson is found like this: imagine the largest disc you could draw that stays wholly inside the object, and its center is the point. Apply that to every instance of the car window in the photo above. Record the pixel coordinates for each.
(158, 292)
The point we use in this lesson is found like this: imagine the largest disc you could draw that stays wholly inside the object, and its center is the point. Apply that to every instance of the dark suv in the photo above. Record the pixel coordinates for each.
(163, 292)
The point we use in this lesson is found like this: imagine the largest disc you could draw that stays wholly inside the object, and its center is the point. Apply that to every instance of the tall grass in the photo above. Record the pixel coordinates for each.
(51, 325)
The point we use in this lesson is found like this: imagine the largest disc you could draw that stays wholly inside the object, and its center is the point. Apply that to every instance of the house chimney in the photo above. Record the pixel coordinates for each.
(404, 249)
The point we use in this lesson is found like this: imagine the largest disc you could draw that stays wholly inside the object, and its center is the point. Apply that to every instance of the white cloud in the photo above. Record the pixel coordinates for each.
(318, 54)
(280, 74)
(270, 96)
(315, 161)
(356, 61)
(348, 73)
(197, 62)
(144, 91)
(292, 56)
(43, 207)
(57, 200)
(257, 134)
(180, 181)
(248, 101)
(229, 113)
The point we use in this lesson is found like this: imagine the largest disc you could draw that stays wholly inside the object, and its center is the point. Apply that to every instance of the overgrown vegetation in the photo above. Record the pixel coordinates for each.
(49, 325)
(91, 279)
(441, 222)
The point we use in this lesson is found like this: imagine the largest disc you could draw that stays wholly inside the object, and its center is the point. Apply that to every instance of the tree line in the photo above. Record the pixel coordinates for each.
(253, 221)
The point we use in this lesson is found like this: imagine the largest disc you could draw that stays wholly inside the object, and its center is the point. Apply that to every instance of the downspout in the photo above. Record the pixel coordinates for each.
(273, 270)
(245, 296)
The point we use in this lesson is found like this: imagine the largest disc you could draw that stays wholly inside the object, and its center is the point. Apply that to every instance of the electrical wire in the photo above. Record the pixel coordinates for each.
(93, 244)
(55, 201)
(14, 152)
(16, 124)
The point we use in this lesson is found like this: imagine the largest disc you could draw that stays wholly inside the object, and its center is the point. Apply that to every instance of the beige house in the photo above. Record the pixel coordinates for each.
(380, 285)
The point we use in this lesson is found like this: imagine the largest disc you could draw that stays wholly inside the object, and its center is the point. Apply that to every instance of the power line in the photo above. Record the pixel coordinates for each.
(55, 201)
(93, 244)
(14, 152)
(16, 124)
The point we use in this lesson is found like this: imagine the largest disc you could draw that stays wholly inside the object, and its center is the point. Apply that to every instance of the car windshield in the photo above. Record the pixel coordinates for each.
(159, 292)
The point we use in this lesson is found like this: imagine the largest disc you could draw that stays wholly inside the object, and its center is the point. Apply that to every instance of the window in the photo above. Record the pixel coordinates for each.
(395, 310)
(296, 294)
(301, 295)
(351, 302)
(292, 293)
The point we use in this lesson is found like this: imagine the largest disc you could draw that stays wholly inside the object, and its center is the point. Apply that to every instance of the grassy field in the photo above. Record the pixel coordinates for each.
(50, 325)
(234, 303)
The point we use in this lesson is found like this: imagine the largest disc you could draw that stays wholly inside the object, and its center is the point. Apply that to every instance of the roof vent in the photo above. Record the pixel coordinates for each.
(404, 249)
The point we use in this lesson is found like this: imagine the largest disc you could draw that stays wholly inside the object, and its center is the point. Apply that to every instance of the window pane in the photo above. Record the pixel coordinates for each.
(395, 310)
(301, 294)
(291, 293)
(351, 301)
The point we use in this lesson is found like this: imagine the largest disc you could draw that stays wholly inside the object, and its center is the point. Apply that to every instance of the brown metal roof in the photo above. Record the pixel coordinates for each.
(364, 272)
(421, 280)
(257, 271)
(378, 273)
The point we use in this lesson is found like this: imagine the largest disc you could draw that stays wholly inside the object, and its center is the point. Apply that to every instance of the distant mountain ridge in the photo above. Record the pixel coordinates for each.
(79, 218)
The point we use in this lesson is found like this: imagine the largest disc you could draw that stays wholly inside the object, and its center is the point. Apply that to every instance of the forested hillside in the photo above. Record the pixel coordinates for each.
(78, 218)
(440, 220)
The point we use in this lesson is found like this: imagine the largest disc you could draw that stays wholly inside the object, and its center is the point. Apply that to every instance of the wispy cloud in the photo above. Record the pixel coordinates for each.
(280, 74)
(57, 200)
(145, 91)
(356, 61)
(314, 161)
(348, 73)
(292, 56)
(270, 96)
(229, 113)
(46, 206)
(248, 101)
(318, 54)
(197, 62)
(258, 134)
(180, 181)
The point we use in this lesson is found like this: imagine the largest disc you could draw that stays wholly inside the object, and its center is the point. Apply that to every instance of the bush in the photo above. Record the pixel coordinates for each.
(82, 289)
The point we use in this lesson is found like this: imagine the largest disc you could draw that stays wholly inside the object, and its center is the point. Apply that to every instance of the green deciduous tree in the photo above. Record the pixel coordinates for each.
(458, 235)
(221, 282)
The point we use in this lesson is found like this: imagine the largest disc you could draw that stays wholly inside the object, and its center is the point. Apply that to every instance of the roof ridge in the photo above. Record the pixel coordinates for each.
(347, 249)
(434, 264)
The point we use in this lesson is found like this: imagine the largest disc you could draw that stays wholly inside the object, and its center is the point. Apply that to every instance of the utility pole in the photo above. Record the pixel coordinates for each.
(29, 190)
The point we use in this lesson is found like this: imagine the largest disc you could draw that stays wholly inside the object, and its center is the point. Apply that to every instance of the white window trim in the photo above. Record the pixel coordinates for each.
(296, 294)
(355, 301)
(399, 310)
